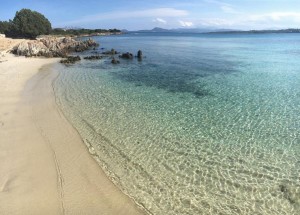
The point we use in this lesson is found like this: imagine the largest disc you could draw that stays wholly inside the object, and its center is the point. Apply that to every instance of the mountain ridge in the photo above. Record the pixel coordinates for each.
(213, 30)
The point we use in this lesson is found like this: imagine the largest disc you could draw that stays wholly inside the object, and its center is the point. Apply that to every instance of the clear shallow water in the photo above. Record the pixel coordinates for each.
(205, 124)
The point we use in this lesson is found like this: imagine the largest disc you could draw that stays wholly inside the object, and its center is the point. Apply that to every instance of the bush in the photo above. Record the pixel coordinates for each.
(29, 24)
(4, 27)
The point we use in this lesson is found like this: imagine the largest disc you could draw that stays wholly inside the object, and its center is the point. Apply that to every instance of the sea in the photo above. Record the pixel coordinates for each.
(204, 124)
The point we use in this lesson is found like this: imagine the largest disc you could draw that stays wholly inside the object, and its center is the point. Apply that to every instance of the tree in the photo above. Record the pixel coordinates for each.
(30, 24)
(4, 27)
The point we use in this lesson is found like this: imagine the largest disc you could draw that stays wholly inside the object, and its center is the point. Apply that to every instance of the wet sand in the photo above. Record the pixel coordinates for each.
(45, 168)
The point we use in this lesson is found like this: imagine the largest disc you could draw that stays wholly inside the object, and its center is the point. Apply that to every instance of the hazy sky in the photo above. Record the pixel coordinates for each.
(146, 14)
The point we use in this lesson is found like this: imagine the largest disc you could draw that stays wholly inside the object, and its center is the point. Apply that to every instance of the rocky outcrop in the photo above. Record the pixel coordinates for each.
(52, 47)
(30, 48)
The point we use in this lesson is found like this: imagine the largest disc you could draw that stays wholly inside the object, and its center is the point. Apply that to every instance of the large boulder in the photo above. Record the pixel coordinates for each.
(127, 55)
(31, 48)
(140, 55)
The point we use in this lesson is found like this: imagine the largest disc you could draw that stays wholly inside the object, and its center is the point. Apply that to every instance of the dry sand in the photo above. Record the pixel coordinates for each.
(7, 43)
(45, 168)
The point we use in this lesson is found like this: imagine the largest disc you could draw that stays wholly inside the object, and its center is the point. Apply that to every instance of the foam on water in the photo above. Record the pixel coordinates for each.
(204, 125)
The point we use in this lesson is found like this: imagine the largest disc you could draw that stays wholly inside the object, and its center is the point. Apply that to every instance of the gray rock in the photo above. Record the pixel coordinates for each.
(114, 61)
(111, 52)
(93, 57)
(140, 55)
(70, 60)
(127, 55)
(52, 47)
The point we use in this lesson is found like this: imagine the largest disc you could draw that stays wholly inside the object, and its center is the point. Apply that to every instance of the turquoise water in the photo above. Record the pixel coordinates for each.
(205, 124)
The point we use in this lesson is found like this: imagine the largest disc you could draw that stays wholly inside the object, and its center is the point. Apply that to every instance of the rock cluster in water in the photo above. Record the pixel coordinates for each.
(115, 61)
(70, 60)
(93, 57)
(126, 56)
(52, 47)
(111, 52)
(61, 47)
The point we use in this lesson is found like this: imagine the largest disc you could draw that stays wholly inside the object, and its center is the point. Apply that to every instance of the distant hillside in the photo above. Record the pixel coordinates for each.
(216, 31)
(183, 30)
(291, 30)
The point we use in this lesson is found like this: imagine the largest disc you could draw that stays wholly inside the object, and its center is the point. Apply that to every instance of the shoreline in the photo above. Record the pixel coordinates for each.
(95, 157)
(45, 166)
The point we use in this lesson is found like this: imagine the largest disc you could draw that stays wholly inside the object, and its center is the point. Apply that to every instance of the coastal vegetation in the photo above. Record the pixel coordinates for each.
(289, 30)
(83, 31)
(4, 27)
(30, 24)
(26, 24)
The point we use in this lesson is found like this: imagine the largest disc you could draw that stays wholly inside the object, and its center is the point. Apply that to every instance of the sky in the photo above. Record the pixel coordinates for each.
(147, 14)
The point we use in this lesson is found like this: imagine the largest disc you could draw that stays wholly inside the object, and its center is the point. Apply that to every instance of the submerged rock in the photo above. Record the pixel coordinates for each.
(70, 60)
(292, 194)
(93, 57)
(114, 61)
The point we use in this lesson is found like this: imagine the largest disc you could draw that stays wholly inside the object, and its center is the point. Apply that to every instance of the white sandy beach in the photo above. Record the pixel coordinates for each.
(45, 168)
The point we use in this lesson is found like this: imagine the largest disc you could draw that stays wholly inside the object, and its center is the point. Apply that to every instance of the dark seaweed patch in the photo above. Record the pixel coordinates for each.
(174, 78)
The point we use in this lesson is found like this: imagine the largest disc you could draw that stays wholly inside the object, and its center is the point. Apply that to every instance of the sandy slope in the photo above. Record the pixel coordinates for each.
(45, 167)
(7, 43)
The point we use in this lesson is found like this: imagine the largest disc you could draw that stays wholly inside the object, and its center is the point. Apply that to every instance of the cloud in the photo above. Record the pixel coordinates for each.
(227, 9)
(258, 21)
(185, 24)
(254, 21)
(115, 15)
(219, 3)
(216, 2)
(276, 16)
(160, 20)
(215, 22)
